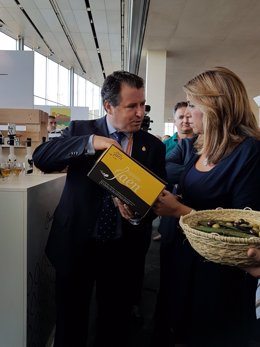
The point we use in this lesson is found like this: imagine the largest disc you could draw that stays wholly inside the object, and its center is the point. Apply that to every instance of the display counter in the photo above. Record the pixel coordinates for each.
(26, 277)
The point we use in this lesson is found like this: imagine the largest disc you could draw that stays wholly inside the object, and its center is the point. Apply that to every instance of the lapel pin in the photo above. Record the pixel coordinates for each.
(143, 148)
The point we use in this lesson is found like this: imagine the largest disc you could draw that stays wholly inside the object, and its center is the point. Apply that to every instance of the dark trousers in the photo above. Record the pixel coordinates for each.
(117, 269)
(107, 266)
(138, 245)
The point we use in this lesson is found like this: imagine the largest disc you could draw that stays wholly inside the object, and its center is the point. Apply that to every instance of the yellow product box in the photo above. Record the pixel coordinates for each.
(127, 179)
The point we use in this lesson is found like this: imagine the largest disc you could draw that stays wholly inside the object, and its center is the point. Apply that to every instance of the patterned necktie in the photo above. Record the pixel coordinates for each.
(107, 220)
(118, 135)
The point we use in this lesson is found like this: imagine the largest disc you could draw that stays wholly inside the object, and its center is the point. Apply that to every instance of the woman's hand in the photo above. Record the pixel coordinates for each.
(254, 253)
(166, 204)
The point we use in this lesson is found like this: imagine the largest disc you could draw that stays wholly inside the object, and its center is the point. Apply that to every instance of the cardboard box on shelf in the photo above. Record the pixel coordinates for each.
(35, 122)
(23, 116)
(127, 179)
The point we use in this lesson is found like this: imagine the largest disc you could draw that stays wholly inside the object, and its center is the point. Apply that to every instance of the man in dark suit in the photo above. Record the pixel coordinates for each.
(81, 258)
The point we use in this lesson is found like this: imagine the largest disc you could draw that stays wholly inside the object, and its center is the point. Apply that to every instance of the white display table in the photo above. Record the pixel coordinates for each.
(26, 277)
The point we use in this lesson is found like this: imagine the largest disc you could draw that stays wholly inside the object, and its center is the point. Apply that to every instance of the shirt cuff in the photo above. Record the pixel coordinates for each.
(89, 149)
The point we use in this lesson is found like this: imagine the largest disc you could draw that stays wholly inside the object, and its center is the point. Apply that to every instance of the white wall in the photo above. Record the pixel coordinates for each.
(16, 79)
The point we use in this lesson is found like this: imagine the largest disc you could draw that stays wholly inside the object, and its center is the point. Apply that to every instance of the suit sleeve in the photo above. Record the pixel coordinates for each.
(57, 154)
(159, 170)
(175, 164)
(159, 162)
(179, 157)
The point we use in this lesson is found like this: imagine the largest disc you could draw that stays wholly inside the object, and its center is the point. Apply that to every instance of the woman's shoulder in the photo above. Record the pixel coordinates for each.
(188, 141)
(186, 145)
(247, 152)
(250, 144)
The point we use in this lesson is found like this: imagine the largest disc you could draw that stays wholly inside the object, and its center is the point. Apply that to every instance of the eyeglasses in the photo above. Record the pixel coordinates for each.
(53, 122)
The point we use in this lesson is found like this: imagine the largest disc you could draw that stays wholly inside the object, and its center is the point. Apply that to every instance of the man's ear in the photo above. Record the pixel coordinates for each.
(107, 106)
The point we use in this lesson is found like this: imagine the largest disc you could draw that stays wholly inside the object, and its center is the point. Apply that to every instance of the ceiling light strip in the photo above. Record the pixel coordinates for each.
(34, 26)
(91, 21)
(62, 22)
(138, 10)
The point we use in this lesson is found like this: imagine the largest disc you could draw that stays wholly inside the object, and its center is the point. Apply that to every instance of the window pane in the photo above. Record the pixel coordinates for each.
(64, 86)
(52, 81)
(81, 91)
(7, 43)
(75, 90)
(39, 75)
(169, 129)
(38, 101)
(96, 101)
(89, 96)
(26, 48)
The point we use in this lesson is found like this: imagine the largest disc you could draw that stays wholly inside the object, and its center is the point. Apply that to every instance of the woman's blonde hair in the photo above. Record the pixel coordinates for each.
(227, 116)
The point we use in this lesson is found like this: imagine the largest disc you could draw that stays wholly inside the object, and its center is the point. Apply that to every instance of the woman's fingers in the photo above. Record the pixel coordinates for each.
(254, 253)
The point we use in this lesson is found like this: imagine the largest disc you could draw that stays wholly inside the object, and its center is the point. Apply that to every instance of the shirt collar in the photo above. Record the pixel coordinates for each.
(111, 129)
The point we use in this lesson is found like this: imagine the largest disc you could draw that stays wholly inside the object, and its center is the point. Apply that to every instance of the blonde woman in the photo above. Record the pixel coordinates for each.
(210, 304)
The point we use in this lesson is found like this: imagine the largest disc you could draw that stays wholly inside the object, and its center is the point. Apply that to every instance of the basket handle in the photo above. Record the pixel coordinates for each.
(245, 208)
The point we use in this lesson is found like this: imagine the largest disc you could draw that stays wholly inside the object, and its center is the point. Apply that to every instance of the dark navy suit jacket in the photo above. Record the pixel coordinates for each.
(76, 214)
(178, 158)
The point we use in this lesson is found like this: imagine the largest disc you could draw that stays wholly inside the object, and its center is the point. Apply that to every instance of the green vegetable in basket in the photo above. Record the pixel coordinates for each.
(239, 228)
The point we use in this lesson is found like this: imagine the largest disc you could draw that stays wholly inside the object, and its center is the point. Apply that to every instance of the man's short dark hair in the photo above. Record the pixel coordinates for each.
(112, 85)
(180, 105)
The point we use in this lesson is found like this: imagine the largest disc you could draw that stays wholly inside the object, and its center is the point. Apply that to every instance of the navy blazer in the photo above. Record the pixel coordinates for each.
(178, 159)
(76, 214)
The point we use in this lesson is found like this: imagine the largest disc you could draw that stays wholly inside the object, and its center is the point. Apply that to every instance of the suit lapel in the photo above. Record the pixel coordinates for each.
(139, 150)
(100, 127)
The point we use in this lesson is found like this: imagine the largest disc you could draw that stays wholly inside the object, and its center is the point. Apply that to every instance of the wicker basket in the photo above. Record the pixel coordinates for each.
(217, 248)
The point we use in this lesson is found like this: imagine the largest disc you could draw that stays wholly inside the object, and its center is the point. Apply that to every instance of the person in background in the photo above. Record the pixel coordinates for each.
(181, 122)
(85, 248)
(213, 305)
(165, 137)
(51, 127)
(53, 131)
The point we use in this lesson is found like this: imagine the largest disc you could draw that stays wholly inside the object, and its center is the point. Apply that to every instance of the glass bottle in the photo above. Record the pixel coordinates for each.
(11, 156)
(1, 148)
(28, 157)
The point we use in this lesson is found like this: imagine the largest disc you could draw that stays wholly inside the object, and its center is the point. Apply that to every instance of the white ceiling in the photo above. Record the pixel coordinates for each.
(196, 34)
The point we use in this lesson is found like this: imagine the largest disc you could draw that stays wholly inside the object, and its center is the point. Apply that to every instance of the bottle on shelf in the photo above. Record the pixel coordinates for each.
(11, 156)
(11, 130)
(28, 157)
(1, 148)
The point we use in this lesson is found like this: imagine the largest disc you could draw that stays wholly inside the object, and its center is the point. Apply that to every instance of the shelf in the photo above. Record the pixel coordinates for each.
(7, 146)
